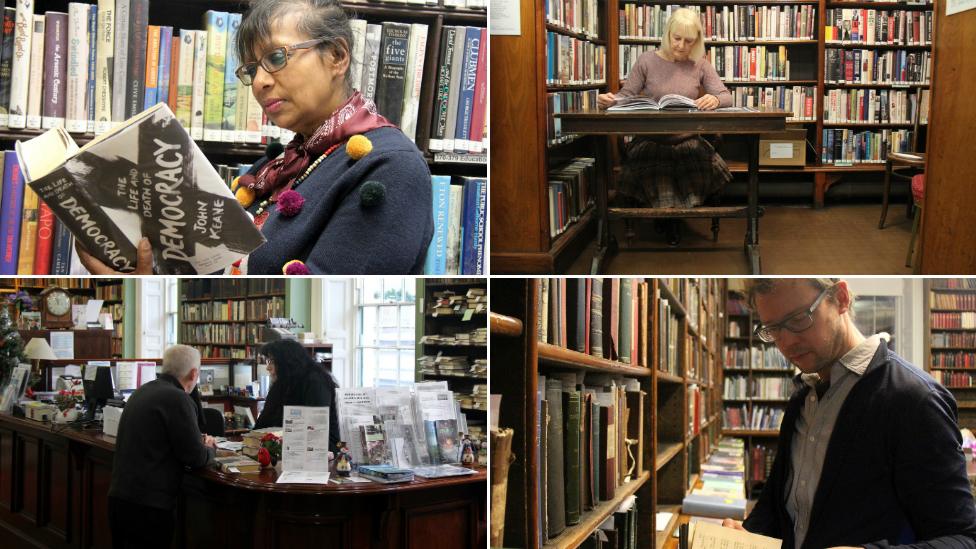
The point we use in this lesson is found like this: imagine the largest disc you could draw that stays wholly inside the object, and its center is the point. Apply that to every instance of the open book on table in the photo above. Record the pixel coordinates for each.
(145, 178)
(644, 103)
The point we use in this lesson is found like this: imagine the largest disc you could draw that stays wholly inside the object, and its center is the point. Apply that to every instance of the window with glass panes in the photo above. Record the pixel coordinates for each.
(172, 300)
(385, 337)
(874, 314)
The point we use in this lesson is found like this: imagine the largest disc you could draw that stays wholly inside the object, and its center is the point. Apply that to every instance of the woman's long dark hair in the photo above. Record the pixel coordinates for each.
(291, 360)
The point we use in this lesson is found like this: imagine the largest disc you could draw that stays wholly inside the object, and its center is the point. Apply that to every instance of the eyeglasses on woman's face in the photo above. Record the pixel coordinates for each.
(273, 61)
(795, 323)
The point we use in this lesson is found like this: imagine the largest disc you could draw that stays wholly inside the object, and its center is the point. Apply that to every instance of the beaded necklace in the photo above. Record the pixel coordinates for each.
(263, 206)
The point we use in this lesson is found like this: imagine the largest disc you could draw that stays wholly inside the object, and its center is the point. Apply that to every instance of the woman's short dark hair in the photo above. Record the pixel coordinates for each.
(291, 360)
(318, 19)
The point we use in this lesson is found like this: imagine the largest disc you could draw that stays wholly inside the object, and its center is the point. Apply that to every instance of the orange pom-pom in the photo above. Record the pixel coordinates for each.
(234, 184)
(245, 196)
(358, 146)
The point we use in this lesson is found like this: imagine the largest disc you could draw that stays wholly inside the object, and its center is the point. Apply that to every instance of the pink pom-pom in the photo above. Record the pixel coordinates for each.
(296, 267)
(290, 203)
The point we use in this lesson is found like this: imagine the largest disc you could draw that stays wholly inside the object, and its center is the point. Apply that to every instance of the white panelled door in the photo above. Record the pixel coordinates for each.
(338, 325)
(150, 317)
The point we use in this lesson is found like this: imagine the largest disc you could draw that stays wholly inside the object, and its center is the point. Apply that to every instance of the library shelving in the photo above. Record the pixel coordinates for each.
(950, 343)
(224, 318)
(756, 385)
(112, 292)
(533, 335)
(522, 123)
(453, 343)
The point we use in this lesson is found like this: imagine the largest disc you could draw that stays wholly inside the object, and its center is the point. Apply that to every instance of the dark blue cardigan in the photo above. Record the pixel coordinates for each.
(336, 234)
(894, 473)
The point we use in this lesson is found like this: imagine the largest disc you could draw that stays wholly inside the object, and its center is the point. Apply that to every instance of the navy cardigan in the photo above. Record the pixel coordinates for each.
(337, 233)
(894, 473)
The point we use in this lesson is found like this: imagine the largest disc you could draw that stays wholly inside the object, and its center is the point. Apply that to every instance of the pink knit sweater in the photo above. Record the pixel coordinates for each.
(655, 77)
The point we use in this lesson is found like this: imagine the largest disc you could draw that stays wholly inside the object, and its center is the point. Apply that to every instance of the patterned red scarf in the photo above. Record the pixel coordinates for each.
(357, 115)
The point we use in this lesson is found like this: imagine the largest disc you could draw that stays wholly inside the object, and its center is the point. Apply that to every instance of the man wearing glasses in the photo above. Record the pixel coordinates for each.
(869, 449)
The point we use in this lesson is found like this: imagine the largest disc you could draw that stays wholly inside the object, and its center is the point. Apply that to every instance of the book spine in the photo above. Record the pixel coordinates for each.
(10, 212)
(162, 76)
(104, 65)
(416, 53)
(555, 460)
(174, 73)
(571, 434)
(392, 71)
(253, 122)
(92, 55)
(76, 102)
(358, 27)
(152, 67)
(138, 41)
(213, 108)
(469, 77)
(436, 262)
(184, 86)
(61, 255)
(45, 242)
(20, 68)
(35, 92)
(371, 61)
(443, 90)
(6, 62)
(476, 139)
(228, 125)
(455, 209)
(473, 228)
(28, 233)
(120, 61)
(55, 69)
(457, 62)
(198, 99)
(243, 106)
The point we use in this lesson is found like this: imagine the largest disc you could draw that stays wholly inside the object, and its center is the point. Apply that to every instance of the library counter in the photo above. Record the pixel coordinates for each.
(54, 483)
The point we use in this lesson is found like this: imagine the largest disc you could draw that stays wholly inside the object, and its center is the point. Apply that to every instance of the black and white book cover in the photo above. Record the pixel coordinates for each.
(146, 178)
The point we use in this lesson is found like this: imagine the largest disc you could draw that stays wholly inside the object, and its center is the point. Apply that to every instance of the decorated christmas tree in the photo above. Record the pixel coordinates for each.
(11, 346)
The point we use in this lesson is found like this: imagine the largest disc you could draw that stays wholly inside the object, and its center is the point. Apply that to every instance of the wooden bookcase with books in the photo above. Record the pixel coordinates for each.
(453, 343)
(950, 346)
(593, 348)
(112, 291)
(224, 318)
(744, 41)
(756, 385)
(424, 65)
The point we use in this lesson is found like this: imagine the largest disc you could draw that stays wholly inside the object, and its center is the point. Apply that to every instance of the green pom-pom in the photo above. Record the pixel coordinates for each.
(371, 193)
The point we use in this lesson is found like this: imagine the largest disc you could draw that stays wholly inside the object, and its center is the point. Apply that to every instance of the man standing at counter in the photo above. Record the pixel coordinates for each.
(158, 436)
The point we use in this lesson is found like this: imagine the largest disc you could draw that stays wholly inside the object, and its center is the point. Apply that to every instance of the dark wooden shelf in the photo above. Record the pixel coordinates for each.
(574, 87)
(666, 451)
(750, 433)
(558, 29)
(574, 535)
(895, 86)
(869, 125)
(552, 355)
(669, 378)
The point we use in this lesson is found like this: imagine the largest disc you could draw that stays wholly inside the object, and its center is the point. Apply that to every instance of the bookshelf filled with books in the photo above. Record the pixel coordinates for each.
(799, 56)
(589, 368)
(950, 346)
(452, 341)
(756, 385)
(224, 318)
(112, 292)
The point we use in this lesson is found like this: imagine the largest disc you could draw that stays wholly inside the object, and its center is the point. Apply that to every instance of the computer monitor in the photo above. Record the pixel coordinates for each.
(99, 389)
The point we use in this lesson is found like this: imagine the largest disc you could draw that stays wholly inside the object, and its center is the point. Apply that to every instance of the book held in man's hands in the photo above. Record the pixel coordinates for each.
(144, 178)
(708, 536)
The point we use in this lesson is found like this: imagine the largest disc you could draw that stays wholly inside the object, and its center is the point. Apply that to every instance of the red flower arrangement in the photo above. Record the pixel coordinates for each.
(270, 451)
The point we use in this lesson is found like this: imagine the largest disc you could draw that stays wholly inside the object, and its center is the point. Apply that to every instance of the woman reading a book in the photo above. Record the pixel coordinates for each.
(350, 194)
(678, 171)
(296, 380)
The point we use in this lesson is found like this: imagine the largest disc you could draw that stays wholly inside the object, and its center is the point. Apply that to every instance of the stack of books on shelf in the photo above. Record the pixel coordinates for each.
(722, 494)
(571, 61)
(476, 337)
(958, 320)
(766, 418)
(618, 530)
(444, 365)
(761, 462)
(479, 367)
(578, 16)
(864, 26)
(799, 100)
(448, 303)
(599, 317)
(458, 244)
(768, 357)
(866, 66)
(570, 193)
(736, 417)
(846, 146)
(566, 101)
(723, 23)
(875, 106)
(461, 99)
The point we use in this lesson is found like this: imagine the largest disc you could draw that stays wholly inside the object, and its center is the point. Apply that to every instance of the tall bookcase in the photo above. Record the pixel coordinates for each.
(223, 318)
(950, 343)
(756, 380)
(521, 158)
(112, 291)
(452, 335)
(673, 444)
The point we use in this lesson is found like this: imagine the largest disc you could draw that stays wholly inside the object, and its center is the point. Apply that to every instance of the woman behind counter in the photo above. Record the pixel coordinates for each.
(350, 194)
(296, 380)
(678, 171)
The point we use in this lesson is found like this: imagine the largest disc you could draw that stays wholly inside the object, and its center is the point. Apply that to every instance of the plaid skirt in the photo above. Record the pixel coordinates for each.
(659, 174)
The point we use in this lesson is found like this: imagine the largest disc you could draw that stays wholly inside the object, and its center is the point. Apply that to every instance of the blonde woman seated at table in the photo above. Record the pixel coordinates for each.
(682, 170)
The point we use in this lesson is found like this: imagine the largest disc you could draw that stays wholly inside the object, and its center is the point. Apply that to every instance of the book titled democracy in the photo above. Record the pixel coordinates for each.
(145, 178)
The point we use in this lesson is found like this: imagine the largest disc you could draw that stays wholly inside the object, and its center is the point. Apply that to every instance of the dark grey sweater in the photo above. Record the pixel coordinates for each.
(158, 436)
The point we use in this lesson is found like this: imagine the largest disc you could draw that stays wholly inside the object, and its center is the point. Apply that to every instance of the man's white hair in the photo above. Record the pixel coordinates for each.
(178, 360)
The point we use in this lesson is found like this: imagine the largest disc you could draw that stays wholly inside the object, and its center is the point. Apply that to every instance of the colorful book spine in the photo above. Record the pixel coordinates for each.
(77, 67)
(6, 61)
(92, 61)
(469, 78)
(197, 100)
(228, 124)
(20, 66)
(138, 41)
(416, 52)
(436, 263)
(475, 141)
(252, 123)
(61, 255)
(120, 61)
(10, 211)
(473, 227)
(55, 69)
(174, 71)
(45, 240)
(456, 208)
(184, 86)
(213, 110)
(152, 67)
(443, 90)
(35, 92)
(28, 233)
(104, 63)
(165, 50)
(454, 95)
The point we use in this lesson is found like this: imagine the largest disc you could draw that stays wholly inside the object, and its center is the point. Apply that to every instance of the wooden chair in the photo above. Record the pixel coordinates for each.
(918, 201)
(912, 162)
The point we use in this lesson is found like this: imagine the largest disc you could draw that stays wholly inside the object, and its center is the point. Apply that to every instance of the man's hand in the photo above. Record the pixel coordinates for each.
(210, 441)
(707, 102)
(605, 100)
(144, 261)
(730, 523)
